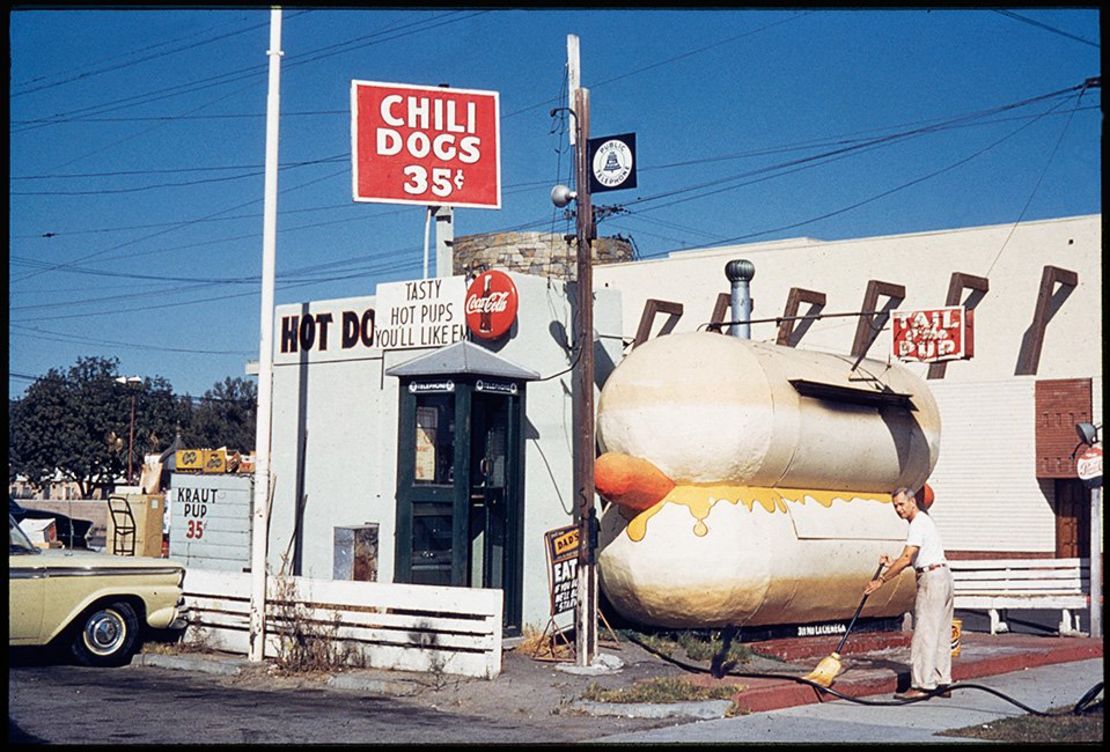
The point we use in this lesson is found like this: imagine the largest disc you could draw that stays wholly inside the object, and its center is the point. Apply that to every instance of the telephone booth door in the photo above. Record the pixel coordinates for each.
(459, 491)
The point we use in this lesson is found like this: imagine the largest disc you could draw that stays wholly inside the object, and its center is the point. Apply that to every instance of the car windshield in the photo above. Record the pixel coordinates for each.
(20, 543)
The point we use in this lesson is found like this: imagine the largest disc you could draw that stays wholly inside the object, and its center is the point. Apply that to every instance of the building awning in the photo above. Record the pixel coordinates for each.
(462, 358)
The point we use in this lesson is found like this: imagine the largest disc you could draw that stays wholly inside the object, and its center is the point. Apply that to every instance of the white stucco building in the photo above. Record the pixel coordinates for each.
(458, 456)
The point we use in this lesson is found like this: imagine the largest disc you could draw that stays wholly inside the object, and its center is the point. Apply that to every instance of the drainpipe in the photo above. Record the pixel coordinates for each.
(740, 273)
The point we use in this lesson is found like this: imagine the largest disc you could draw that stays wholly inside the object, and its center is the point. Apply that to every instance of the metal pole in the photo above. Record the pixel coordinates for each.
(427, 225)
(259, 532)
(131, 444)
(1096, 562)
(586, 616)
(445, 240)
(740, 273)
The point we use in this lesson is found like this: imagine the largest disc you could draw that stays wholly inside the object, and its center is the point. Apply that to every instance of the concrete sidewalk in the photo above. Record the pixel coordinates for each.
(1055, 685)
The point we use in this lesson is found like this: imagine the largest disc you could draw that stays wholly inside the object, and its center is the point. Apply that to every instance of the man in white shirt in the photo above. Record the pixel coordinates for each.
(930, 650)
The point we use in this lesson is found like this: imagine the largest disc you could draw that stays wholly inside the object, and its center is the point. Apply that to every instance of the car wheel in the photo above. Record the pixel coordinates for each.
(107, 635)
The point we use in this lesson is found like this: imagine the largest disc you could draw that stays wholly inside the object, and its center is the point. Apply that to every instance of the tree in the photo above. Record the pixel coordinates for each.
(224, 416)
(78, 425)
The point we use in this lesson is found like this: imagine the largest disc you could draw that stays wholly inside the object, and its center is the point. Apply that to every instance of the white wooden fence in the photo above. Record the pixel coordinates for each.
(392, 626)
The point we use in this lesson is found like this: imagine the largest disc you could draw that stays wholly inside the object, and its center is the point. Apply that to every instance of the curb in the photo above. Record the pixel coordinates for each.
(187, 663)
(789, 694)
(706, 709)
(394, 688)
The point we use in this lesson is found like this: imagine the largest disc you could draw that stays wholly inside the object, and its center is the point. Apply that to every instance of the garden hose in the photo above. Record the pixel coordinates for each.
(1082, 706)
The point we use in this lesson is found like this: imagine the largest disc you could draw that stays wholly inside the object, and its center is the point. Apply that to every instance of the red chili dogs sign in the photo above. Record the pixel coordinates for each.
(491, 303)
(425, 145)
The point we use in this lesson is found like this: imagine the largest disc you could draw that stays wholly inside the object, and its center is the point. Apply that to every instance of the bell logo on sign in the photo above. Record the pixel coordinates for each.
(491, 304)
(426, 145)
(612, 162)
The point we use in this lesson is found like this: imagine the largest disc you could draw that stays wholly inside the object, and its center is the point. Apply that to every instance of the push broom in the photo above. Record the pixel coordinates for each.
(829, 667)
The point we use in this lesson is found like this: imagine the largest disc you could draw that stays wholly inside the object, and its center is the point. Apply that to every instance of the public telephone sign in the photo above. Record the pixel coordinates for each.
(933, 335)
(426, 145)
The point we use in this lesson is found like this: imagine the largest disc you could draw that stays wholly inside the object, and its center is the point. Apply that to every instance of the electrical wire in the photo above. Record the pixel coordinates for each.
(241, 74)
(872, 198)
(87, 74)
(1032, 193)
(1045, 26)
(69, 338)
(548, 102)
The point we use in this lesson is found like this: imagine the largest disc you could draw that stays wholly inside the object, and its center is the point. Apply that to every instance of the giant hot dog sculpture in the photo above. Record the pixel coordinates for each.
(749, 484)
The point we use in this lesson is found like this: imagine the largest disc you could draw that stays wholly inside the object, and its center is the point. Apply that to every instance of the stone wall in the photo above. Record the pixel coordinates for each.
(540, 253)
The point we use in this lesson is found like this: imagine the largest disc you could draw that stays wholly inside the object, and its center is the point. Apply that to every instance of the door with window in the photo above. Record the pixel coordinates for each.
(460, 475)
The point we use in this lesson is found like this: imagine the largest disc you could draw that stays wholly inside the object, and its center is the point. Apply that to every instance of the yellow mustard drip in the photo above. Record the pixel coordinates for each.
(699, 500)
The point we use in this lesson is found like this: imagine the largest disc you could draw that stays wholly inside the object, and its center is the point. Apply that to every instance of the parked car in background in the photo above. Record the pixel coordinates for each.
(98, 606)
(72, 533)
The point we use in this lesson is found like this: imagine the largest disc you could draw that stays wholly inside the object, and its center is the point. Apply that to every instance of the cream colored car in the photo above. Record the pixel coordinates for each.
(97, 605)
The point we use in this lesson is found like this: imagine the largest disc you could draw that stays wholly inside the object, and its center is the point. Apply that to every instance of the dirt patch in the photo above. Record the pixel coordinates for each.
(1062, 727)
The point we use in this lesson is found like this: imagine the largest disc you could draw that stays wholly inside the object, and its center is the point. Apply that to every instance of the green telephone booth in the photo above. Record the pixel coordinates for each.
(460, 472)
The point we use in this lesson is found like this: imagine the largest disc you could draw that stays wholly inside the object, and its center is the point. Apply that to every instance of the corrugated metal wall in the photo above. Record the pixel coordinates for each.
(988, 430)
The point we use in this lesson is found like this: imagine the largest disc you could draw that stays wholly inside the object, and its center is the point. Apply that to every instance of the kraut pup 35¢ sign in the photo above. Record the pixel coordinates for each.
(425, 145)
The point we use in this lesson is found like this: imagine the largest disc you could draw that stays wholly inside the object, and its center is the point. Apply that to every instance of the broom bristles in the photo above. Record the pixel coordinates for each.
(826, 671)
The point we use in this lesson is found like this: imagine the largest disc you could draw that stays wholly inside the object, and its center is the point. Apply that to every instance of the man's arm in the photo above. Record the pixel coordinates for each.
(893, 568)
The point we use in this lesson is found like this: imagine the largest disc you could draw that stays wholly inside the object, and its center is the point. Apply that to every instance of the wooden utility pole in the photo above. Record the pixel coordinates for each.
(583, 422)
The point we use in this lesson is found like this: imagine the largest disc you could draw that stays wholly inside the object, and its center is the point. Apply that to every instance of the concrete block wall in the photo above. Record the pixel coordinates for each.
(538, 253)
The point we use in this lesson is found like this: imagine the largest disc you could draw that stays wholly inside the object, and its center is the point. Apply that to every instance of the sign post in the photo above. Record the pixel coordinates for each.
(1089, 469)
(261, 501)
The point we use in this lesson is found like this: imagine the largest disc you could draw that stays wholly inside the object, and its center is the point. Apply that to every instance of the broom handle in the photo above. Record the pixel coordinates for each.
(859, 608)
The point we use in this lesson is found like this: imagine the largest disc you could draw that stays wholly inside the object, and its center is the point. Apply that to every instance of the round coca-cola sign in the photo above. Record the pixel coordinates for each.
(491, 303)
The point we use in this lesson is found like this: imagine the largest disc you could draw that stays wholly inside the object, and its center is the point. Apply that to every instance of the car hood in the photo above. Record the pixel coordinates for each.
(77, 558)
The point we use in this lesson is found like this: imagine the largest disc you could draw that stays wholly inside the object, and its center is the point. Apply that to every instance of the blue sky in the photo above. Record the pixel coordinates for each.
(137, 142)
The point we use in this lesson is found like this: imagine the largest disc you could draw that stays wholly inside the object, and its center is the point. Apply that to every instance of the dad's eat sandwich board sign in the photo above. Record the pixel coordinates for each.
(425, 145)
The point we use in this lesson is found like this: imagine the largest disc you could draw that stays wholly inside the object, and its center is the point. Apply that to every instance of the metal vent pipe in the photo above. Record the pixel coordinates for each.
(740, 273)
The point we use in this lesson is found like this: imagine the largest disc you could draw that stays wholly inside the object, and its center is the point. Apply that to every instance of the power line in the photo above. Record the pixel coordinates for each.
(177, 170)
(1032, 193)
(65, 337)
(886, 193)
(182, 184)
(87, 74)
(186, 223)
(1045, 26)
(155, 46)
(236, 75)
(853, 147)
(637, 71)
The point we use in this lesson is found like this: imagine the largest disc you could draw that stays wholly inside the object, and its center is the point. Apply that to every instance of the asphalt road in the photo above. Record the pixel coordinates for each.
(59, 704)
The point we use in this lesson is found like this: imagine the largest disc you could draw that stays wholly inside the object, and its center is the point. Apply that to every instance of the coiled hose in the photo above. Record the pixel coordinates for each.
(1086, 702)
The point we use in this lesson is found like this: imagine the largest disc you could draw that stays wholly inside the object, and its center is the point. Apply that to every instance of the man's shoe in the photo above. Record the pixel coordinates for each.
(911, 694)
(942, 691)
